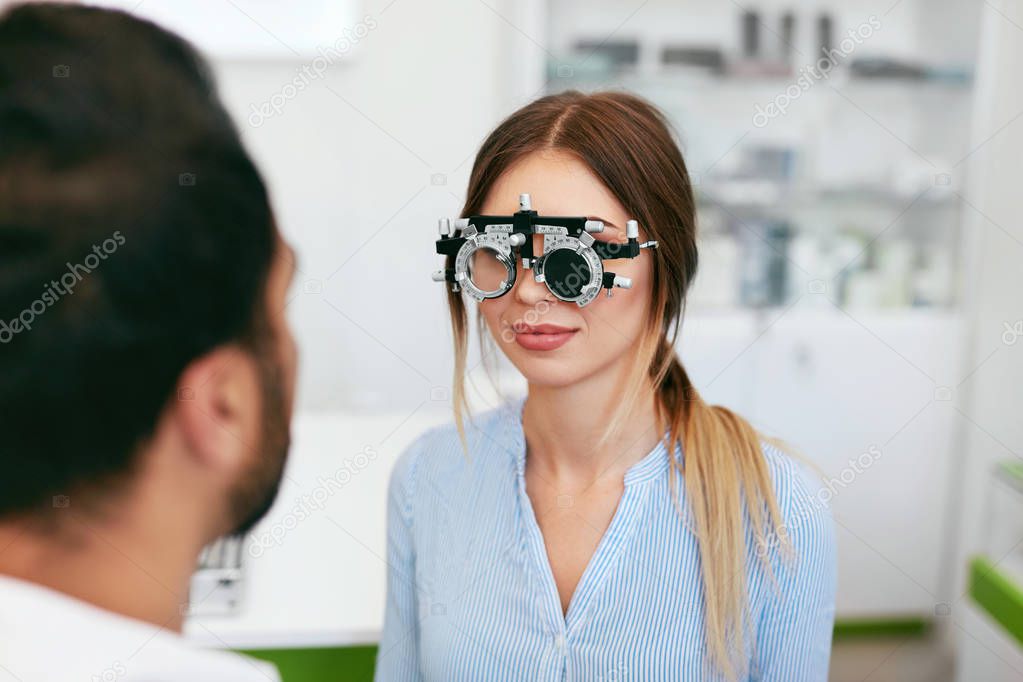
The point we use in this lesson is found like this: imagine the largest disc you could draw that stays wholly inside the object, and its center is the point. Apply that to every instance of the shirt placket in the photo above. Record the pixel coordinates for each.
(556, 650)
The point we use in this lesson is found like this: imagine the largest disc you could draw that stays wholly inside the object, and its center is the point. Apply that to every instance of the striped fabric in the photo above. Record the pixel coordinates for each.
(471, 595)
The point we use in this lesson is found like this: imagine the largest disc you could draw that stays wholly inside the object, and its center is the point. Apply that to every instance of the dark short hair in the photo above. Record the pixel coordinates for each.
(135, 236)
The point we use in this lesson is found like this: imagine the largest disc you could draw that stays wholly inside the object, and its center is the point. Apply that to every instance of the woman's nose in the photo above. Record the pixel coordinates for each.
(527, 290)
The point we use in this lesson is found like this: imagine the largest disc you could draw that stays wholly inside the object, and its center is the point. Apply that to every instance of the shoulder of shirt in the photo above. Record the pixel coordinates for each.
(802, 554)
(797, 490)
(94, 639)
(440, 448)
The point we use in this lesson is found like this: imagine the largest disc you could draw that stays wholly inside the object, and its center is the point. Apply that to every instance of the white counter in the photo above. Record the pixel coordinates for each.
(315, 570)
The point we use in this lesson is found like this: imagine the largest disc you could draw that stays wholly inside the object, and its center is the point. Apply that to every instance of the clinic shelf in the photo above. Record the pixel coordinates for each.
(693, 81)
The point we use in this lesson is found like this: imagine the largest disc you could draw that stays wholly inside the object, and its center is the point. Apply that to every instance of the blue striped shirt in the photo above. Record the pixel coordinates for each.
(471, 595)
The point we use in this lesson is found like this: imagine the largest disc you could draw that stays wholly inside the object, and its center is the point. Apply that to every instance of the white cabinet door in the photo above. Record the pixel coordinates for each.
(868, 398)
(717, 352)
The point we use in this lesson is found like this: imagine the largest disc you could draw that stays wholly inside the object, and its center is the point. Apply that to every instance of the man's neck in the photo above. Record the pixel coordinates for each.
(114, 566)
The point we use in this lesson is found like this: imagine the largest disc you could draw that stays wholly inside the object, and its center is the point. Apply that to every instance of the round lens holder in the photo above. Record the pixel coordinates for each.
(496, 239)
(570, 268)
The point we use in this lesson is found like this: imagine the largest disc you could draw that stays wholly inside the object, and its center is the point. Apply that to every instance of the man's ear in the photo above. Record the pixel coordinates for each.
(217, 408)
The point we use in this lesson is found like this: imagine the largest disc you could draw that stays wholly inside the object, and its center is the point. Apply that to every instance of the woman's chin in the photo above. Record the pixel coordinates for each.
(548, 374)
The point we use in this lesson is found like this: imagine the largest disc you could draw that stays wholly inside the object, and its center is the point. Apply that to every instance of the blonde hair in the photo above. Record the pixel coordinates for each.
(629, 146)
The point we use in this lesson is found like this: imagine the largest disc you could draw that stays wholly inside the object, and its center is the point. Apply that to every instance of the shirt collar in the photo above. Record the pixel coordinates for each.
(653, 464)
(517, 438)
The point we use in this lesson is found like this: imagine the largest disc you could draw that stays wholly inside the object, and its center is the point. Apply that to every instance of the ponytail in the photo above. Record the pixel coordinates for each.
(726, 480)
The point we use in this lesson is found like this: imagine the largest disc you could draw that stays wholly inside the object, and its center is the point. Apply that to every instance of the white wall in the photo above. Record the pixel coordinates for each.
(350, 162)
(993, 395)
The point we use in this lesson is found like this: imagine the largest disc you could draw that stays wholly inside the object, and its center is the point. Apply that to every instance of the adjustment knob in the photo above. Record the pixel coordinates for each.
(517, 239)
(618, 281)
(632, 229)
(524, 203)
(438, 276)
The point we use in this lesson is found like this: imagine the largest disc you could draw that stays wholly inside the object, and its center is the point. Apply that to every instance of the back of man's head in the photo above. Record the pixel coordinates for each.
(135, 236)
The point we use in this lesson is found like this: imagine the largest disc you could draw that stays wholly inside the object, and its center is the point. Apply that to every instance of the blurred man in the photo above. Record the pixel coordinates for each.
(146, 369)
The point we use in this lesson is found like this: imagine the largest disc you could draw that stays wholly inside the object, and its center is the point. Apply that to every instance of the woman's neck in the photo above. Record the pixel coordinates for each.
(563, 425)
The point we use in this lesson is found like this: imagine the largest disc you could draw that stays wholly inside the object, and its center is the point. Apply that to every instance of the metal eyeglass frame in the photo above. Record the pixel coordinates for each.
(571, 264)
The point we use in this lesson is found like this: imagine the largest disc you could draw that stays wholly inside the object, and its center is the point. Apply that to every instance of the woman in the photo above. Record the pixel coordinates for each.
(611, 525)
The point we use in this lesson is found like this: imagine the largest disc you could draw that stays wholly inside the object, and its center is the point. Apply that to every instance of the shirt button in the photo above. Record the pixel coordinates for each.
(559, 642)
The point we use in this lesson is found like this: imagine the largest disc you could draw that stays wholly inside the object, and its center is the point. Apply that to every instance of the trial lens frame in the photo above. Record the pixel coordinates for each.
(571, 263)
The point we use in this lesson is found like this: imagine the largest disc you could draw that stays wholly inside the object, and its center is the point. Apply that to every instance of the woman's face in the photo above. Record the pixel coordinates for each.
(554, 342)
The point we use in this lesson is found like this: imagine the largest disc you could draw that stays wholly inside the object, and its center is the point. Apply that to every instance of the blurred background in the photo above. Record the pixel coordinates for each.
(859, 294)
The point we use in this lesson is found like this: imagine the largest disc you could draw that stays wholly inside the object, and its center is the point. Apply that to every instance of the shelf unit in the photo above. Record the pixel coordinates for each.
(872, 165)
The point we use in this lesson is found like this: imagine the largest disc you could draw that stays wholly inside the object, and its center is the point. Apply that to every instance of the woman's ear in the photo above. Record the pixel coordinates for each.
(217, 409)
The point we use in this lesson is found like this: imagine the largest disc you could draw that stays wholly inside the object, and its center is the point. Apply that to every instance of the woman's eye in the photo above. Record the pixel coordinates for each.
(610, 234)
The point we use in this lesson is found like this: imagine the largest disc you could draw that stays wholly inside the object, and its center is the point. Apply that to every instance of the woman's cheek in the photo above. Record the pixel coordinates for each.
(492, 311)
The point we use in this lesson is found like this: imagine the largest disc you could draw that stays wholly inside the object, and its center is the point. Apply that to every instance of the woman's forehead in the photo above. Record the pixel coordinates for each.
(559, 183)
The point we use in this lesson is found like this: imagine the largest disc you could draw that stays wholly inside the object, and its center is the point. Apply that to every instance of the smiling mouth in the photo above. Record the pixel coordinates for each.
(540, 329)
(542, 337)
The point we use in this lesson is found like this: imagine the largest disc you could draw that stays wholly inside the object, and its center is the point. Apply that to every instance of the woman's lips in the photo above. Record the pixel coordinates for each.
(542, 336)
